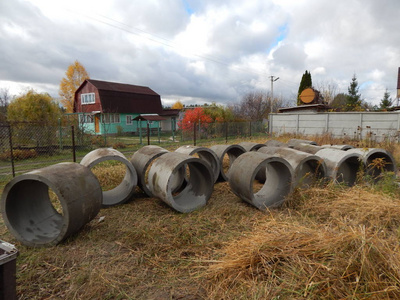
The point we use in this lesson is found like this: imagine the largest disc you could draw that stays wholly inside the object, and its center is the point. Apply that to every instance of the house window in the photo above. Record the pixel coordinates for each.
(128, 120)
(87, 98)
(111, 118)
(85, 119)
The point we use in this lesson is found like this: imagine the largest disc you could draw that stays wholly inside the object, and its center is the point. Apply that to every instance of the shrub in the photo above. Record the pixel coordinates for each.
(19, 154)
(98, 141)
(119, 145)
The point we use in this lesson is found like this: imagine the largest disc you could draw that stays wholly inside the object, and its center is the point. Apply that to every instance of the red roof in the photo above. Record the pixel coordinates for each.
(123, 98)
(122, 87)
(149, 118)
(170, 112)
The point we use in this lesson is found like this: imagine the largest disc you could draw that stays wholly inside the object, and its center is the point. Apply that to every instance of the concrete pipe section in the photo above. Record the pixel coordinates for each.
(141, 160)
(278, 184)
(232, 152)
(312, 149)
(249, 146)
(46, 206)
(205, 154)
(308, 168)
(308, 148)
(274, 143)
(339, 147)
(341, 166)
(124, 191)
(293, 142)
(376, 161)
(198, 184)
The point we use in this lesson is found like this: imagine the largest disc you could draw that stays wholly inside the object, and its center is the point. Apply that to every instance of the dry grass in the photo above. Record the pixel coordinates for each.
(110, 173)
(327, 242)
(332, 244)
(292, 260)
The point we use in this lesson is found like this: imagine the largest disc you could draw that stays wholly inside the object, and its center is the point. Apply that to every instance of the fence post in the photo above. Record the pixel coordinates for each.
(158, 132)
(140, 131)
(73, 143)
(194, 133)
(11, 149)
(60, 133)
(148, 133)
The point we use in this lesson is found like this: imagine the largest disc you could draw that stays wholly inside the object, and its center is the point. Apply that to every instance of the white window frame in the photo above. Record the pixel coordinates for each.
(129, 120)
(111, 118)
(88, 98)
(85, 119)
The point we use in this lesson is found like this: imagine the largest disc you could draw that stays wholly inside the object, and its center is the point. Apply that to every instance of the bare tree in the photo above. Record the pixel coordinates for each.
(5, 97)
(254, 106)
(328, 90)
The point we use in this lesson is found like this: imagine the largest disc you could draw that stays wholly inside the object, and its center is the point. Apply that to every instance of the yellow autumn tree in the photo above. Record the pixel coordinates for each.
(74, 76)
(177, 105)
(36, 116)
(34, 107)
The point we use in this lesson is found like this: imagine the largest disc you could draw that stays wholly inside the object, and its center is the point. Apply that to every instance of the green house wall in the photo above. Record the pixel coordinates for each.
(121, 127)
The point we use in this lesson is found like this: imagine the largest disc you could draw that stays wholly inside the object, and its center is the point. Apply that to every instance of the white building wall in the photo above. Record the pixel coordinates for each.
(357, 125)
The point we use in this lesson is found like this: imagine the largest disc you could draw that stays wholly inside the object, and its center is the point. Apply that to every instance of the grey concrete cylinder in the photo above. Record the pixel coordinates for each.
(278, 184)
(233, 152)
(341, 166)
(308, 168)
(339, 147)
(293, 142)
(206, 155)
(124, 191)
(375, 168)
(141, 160)
(198, 184)
(274, 143)
(31, 217)
(308, 148)
(250, 146)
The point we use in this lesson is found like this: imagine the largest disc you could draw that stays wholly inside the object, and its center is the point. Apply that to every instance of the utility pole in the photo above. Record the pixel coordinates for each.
(272, 86)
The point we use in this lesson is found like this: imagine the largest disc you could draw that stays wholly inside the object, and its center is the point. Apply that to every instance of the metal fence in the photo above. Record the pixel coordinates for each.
(28, 146)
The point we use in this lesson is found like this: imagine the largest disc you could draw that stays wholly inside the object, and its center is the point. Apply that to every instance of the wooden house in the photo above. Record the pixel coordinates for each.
(109, 107)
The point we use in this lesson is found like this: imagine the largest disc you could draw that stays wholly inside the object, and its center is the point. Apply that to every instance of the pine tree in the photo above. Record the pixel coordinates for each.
(353, 97)
(386, 102)
(305, 83)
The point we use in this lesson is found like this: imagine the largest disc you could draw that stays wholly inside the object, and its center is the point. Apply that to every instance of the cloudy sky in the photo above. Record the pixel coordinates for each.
(203, 51)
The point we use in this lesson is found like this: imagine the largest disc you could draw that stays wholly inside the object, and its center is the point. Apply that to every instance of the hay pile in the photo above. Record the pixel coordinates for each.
(333, 244)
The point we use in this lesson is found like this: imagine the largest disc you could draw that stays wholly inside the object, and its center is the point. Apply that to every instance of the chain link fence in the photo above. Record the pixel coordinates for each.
(28, 146)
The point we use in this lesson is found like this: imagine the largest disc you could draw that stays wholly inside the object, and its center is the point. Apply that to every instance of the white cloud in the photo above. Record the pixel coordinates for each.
(202, 51)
